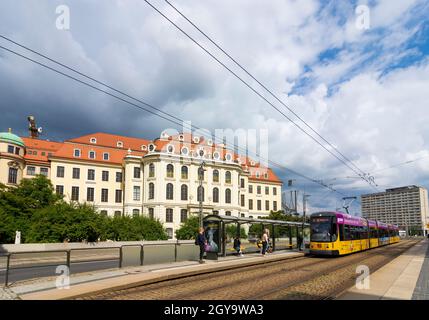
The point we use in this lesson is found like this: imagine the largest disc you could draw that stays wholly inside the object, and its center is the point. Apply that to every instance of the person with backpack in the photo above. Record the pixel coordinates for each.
(201, 241)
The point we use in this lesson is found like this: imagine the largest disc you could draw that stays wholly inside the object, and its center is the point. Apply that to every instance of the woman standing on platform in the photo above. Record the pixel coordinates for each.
(202, 242)
(264, 242)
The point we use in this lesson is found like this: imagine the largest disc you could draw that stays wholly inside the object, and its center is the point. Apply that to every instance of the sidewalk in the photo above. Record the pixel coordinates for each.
(404, 278)
(102, 281)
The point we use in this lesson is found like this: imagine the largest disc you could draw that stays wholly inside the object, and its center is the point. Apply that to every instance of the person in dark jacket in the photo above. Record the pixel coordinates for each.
(202, 241)
(237, 246)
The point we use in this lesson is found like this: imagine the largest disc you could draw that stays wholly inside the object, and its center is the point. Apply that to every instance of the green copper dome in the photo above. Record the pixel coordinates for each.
(9, 137)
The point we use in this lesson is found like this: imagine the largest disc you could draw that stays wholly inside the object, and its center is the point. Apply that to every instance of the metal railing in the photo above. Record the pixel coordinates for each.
(68, 252)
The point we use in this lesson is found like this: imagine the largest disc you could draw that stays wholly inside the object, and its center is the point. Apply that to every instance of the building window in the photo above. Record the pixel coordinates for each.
(259, 205)
(136, 212)
(227, 195)
(242, 183)
(104, 195)
(267, 190)
(228, 213)
(169, 233)
(200, 193)
(250, 188)
(136, 193)
(118, 176)
(118, 214)
(151, 170)
(215, 175)
(267, 205)
(106, 156)
(10, 149)
(118, 196)
(275, 205)
(43, 153)
(216, 212)
(92, 154)
(75, 194)
(60, 172)
(93, 140)
(266, 175)
(44, 171)
(76, 153)
(258, 189)
(105, 176)
(184, 172)
(31, 171)
(91, 174)
(169, 191)
(17, 151)
(275, 191)
(119, 144)
(169, 215)
(184, 192)
(90, 194)
(183, 215)
(250, 204)
(103, 213)
(227, 177)
(76, 173)
(215, 195)
(151, 213)
(137, 172)
(170, 171)
(243, 215)
(59, 190)
(151, 191)
(243, 203)
(13, 175)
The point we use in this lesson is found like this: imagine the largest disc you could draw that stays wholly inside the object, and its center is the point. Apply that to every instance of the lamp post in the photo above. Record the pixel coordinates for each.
(200, 189)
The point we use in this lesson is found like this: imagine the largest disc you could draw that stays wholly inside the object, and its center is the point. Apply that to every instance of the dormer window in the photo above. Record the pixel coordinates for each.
(201, 153)
(76, 153)
(144, 147)
(216, 155)
(120, 144)
(93, 140)
(181, 138)
(266, 175)
(106, 156)
(210, 142)
(170, 148)
(257, 174)
(151, 147)
(228, 157)
(196, 140)
(185, 151)
(91, 154)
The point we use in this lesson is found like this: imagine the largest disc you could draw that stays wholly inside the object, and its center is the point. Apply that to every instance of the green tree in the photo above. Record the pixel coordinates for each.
(231, 231)
(189, 229)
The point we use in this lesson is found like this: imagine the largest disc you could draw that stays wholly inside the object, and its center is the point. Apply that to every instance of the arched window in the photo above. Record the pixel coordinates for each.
(215, 175)
(169, 191)
(184, 192)
(200, 173)
(183, 215)
(200, 194)
(227, 177)
(170, 171)
(228, 196)
(215, 195)
(151, 191)
(151, 170)
(184, 172)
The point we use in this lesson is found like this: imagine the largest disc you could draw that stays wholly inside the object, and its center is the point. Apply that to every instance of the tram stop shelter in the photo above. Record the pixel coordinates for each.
(215, 231)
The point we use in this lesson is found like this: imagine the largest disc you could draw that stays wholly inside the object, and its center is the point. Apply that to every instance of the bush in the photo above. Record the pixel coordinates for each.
(189, 229)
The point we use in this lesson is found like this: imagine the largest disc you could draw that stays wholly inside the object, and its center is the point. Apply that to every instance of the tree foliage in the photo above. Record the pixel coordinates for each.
(189, 229)
(42, 216)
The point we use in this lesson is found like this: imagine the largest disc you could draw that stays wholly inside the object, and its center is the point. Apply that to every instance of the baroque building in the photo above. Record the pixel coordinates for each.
(159, 178)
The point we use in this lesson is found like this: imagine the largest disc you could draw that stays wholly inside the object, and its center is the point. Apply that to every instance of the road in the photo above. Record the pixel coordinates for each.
(26, 273)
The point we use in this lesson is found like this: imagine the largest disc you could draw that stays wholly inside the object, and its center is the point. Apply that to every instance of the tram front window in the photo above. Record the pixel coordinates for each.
(322, 230)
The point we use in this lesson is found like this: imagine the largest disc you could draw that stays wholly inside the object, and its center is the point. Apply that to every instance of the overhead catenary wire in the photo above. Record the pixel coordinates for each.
(279, 166)
(363, 177)
(261, 84)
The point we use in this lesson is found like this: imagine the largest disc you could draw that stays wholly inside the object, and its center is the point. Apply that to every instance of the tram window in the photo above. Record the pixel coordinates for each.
(341, 228)
(334, 232)
(347, 233)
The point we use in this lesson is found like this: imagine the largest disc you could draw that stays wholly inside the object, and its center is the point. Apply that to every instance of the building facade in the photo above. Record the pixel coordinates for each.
(406, 207)
(160, 178)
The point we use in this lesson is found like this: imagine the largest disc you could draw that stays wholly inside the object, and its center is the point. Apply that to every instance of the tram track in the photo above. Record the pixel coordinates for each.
(284, 279)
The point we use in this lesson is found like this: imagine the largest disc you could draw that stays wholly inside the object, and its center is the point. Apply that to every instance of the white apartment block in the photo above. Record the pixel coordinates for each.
(406, 207)
(158, 178)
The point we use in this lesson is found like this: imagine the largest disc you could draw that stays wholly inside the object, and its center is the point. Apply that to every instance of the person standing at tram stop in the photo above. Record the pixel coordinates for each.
(202, 242)
(264, 242)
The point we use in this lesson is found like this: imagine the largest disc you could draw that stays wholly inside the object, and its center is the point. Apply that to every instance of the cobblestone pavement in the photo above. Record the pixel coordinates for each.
(7, 294)
(299, 278)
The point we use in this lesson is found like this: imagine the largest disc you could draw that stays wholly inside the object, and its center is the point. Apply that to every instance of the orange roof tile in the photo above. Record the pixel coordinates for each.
(42, 148)
(111, 140)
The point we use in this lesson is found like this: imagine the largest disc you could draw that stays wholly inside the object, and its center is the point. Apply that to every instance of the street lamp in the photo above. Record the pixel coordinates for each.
(200, 189)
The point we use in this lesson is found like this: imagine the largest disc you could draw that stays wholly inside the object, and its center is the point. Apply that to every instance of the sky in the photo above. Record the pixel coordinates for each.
(360, 80)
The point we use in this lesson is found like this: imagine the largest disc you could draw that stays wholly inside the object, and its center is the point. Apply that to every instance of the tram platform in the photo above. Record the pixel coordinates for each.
(104, 281)
(404, 278)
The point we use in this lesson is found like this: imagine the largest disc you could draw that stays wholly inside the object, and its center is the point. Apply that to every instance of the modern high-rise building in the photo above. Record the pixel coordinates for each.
(406, 207)
(159, 178)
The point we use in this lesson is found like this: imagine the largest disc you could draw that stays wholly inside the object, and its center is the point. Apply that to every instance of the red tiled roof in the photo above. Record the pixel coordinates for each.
(40, 146)
(111, 140)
